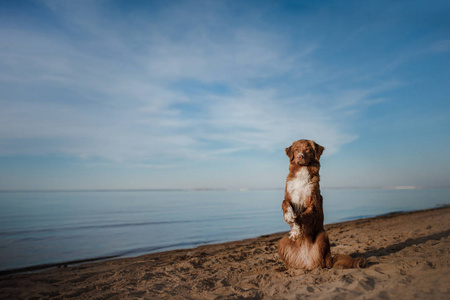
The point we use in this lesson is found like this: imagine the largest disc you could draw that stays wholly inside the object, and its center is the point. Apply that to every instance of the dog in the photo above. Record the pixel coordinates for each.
(307, 246)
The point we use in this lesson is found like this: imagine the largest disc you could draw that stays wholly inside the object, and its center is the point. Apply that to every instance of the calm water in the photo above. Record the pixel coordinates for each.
(54, 227)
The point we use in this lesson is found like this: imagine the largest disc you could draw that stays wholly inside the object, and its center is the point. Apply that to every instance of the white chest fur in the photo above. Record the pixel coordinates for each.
(299, 188)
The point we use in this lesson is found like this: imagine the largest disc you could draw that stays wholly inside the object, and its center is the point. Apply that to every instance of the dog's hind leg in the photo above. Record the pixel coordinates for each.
(323, 245)
(285, 251)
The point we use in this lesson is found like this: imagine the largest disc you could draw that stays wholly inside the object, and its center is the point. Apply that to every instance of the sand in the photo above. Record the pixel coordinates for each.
(408, 257)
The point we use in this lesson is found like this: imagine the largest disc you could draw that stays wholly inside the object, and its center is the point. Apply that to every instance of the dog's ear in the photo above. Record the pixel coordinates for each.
(317, 149)
(289, 153)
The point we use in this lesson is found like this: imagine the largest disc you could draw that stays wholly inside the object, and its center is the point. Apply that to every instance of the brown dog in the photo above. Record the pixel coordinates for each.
(307, 246)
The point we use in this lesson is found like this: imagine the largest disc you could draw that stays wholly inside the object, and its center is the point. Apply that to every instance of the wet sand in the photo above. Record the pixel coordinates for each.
(408, 254)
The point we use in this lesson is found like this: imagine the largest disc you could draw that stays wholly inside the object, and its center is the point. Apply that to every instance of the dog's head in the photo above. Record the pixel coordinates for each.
(304, 152)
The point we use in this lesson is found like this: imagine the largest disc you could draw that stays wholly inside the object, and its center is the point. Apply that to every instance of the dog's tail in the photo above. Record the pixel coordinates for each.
(342, 261)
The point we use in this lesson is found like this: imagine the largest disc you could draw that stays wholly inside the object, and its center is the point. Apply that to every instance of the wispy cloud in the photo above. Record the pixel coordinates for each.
(101, 90)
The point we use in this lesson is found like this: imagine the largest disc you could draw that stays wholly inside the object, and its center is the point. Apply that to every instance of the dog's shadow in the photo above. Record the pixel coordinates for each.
(394, 248)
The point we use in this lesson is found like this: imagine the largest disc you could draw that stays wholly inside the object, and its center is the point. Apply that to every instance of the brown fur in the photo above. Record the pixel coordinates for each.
(308, 246)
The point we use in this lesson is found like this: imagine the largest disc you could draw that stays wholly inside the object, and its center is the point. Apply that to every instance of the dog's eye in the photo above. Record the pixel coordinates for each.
(307, 149)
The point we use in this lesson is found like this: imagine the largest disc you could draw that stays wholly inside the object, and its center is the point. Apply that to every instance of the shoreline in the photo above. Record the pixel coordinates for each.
(408, 256)
(75, 262)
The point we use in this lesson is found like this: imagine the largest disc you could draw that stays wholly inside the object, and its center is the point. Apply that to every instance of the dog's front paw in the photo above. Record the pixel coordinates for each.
(295, 232)
(289, 216)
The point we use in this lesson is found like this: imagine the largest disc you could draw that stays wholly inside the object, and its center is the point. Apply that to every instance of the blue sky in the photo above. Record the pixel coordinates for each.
(207, 94)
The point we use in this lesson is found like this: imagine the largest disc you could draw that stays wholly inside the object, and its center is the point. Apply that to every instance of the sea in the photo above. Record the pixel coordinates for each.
(50, 228)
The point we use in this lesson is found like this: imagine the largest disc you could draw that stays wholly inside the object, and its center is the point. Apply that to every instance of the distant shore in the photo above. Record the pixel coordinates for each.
(243, 189)
(408, 255)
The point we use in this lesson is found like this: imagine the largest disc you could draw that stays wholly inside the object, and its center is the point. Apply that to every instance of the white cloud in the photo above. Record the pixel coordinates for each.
(112, 96)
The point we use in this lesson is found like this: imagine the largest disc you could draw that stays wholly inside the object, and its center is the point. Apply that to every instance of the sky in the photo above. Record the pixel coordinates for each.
(207, 94)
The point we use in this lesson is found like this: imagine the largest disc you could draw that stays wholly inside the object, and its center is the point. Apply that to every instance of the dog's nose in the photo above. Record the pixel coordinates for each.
(300, 155)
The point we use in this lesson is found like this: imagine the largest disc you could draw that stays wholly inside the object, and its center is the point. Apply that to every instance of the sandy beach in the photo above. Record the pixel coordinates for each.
(408, 254)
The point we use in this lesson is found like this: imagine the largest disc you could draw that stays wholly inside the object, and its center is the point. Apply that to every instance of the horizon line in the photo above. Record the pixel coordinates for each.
(412, 187)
